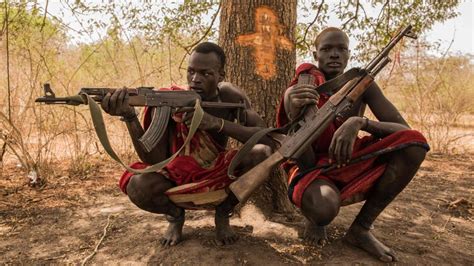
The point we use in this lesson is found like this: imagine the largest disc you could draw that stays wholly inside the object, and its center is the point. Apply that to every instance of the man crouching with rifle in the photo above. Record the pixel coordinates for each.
(328, 165)
(196, 178)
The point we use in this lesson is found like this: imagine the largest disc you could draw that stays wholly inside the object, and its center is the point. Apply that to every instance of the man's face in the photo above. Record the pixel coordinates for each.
(332, 53)
(204, 73)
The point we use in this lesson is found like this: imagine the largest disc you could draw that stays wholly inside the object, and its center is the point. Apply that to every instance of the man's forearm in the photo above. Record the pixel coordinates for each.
(291, 111)
(382, 129)
(135, 130)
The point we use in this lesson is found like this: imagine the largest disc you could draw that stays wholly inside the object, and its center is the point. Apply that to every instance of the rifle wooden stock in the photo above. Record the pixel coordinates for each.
(250, 181)
(360, 88)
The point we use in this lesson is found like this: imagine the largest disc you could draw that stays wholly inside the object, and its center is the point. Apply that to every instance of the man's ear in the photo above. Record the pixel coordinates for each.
(315, 55)
(221, 75)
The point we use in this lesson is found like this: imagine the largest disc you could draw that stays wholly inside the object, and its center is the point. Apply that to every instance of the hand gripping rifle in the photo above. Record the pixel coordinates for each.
(292, 147)
(164, 101)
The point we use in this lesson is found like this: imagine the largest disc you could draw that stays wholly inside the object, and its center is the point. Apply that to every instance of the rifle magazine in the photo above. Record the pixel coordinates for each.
(155, 131)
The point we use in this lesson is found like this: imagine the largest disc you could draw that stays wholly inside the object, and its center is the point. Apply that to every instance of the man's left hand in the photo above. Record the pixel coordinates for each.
(208, 122)
(342, 143)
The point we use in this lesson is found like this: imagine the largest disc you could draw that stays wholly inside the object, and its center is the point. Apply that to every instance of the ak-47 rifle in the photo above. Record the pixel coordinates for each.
(294, 146)
(164, 101)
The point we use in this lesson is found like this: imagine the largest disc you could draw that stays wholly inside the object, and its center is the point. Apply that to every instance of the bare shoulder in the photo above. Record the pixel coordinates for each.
(383, 109)
(231, 93)
(373, 93)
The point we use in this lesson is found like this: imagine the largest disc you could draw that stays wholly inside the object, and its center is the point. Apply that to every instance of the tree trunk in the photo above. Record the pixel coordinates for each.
(258, 38)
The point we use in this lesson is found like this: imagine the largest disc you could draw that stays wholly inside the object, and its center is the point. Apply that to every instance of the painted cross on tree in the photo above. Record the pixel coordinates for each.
(258, 37)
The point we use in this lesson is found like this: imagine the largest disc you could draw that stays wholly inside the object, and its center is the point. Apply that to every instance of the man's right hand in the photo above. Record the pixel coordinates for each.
(116, 104)
(298, 96)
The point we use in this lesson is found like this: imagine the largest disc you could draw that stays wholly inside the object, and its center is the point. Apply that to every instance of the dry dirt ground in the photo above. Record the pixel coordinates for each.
(68, 218)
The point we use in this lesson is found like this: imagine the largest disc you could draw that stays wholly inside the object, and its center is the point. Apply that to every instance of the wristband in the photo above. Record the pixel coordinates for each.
(222, 126)
(366, 124)
(129, 118)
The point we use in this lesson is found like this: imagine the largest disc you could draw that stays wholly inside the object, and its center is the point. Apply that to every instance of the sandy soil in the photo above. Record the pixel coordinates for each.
(63, 221)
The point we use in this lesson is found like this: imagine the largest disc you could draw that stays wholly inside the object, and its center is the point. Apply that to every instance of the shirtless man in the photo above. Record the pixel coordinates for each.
(378, 180)
(206, 156)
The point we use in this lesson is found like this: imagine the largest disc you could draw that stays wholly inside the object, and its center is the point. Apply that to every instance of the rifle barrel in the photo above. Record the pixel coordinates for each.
(405, 32)
(222, 105)
(380, 66)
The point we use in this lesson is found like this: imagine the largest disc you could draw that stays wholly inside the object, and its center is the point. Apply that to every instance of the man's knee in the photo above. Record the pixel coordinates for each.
(321, 202)
(261, 152)
(147, 190)
(414, 155)
(258, 154)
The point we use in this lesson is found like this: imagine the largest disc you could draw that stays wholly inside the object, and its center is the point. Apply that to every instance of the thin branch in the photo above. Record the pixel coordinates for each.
(2, 152)
(440, 69)
(353, 17)
(378, 19)
(98, 244)
(387, 27)
(169, 61)
(134, 50)
(2, 31)
(381, 11)
(83, 62)
(310, 25)
(189, 47)
(146, 75)
(78, 20)
(44, 17)
(8, 62)
(365, 13)
(58, 20)
(16, 138)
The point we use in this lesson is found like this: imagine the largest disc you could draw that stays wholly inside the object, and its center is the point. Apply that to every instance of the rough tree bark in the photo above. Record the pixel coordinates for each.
(258, 39)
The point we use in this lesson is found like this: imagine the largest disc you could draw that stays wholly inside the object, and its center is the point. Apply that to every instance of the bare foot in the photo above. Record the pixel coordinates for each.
(224, 233)
(173, 234)
(364, 239)
(314, 234)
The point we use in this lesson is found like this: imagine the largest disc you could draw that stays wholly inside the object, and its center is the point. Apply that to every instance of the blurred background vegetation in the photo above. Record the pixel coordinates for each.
(146, 43)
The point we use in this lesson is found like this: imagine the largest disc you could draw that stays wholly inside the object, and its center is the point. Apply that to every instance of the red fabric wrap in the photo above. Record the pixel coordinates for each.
(185, 169)
(353, 181)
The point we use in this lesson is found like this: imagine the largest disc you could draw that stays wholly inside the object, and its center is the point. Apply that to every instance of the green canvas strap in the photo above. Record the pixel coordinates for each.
(101, 131)
(244, 151)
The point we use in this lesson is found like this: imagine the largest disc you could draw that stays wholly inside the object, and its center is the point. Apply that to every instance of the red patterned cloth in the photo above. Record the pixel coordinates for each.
(355, 180)
(204, 161)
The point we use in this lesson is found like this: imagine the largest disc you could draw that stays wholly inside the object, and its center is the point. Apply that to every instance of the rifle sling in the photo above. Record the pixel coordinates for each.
(247, 147)
(339, 81)
(101, 131)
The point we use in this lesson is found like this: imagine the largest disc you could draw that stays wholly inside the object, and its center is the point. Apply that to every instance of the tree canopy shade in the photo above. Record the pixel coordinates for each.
(371, 23)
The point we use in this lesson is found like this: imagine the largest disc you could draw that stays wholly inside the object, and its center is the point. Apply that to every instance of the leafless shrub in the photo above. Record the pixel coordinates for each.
(435, 94)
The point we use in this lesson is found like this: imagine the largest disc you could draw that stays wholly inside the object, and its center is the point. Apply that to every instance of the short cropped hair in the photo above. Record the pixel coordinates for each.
(209, 47)
(326, 30)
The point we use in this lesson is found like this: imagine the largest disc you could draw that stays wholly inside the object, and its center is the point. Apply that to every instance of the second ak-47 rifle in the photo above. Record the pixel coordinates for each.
(294, 146)
(164, 101)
